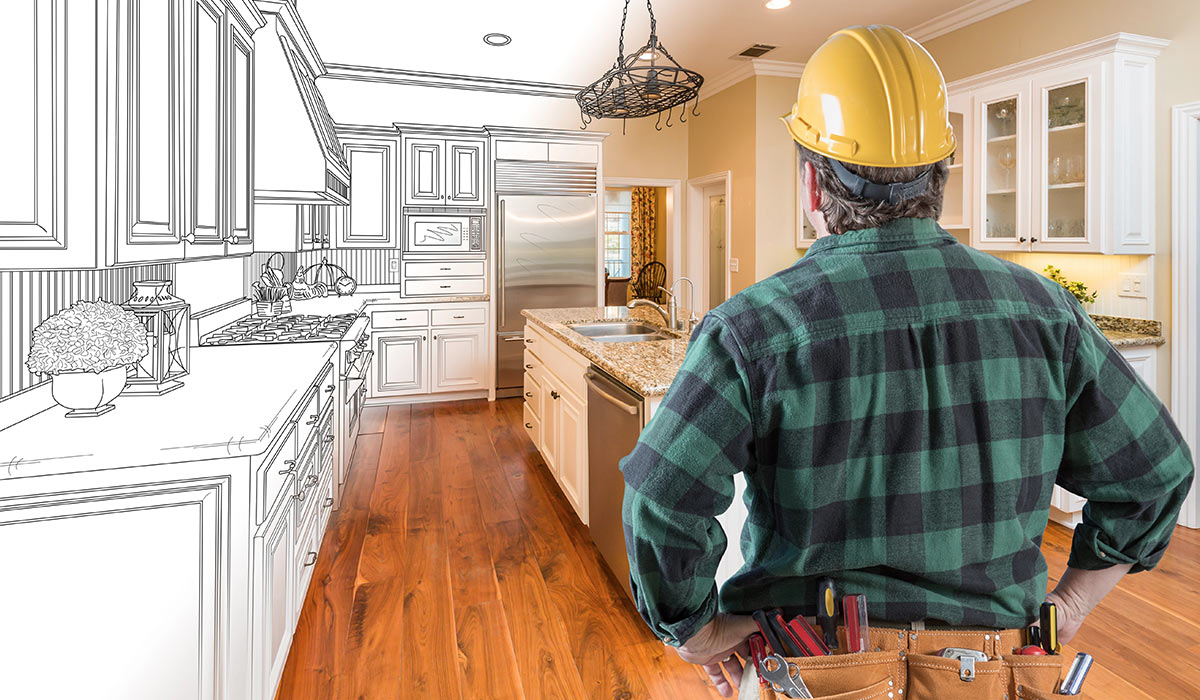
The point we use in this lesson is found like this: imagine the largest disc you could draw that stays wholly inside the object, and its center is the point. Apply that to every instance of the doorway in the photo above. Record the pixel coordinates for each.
(613, 251)
(1185, 268)
(707, 243)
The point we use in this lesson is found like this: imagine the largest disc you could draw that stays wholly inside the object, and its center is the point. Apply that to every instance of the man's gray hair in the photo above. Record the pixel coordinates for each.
(845, 212)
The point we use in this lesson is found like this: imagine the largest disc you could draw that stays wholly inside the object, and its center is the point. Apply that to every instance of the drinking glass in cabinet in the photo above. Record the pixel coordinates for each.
(1066, 166)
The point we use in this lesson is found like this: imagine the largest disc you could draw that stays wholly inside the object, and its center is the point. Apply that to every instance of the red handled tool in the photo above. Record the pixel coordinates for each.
(805, 637)
(854, 616)
(758, 652)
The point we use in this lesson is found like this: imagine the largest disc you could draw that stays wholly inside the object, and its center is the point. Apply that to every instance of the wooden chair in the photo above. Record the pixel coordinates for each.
(652, 276)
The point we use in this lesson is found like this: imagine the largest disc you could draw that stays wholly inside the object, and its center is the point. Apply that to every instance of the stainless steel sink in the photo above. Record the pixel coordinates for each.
(620, 332)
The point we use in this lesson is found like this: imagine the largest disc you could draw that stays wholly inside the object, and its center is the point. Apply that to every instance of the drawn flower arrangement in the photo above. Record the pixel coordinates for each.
(1077, 289)
(89, 336)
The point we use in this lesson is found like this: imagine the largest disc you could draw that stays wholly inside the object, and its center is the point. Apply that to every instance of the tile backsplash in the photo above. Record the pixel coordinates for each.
(365, 265)
(1100, 273)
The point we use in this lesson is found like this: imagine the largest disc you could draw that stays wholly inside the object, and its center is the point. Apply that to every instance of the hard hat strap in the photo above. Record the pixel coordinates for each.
(892, 193)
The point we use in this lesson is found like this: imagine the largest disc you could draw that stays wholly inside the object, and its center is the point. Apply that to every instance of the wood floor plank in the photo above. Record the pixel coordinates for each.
(487, 664)
(544, 660)
(472, 576)
(372, 420)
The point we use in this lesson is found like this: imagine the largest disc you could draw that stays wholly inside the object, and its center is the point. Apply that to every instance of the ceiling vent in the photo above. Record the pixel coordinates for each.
(756, 51)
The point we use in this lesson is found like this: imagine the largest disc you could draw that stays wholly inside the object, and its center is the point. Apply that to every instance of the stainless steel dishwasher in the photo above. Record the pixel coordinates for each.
(614, 423)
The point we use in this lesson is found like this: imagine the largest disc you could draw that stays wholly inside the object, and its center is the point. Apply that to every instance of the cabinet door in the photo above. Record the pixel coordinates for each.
(150, 142)
(273, 592)
(956, 209)
(571, 443)
(111, 579)
(551, 396)
(33, 208)
(1065, 205)
(424, 171)
(369, 220)
(459, 358)
(464, 173)
(206, 237)
(240, 178)
(1001, 167)
(401, 365)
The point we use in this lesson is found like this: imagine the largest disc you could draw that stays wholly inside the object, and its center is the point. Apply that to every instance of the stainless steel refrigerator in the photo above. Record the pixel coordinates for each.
(547, 259)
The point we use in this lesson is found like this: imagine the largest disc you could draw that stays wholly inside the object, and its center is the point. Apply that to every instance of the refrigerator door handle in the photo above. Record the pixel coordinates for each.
(500, 267)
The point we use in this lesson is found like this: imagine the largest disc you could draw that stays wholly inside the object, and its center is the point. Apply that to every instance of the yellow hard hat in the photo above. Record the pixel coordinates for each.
(871, 95)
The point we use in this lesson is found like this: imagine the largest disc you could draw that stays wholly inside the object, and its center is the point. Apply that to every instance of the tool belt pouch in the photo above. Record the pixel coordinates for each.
(868, 676)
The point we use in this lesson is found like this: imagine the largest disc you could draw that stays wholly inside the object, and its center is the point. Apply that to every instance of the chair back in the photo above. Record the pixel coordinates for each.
(652, 276)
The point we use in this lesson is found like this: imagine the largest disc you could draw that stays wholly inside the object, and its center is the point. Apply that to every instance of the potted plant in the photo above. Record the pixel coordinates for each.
(87, 349)
(1078, 290)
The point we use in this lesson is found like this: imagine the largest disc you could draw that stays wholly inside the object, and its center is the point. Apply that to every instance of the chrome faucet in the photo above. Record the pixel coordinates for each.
(670, 315)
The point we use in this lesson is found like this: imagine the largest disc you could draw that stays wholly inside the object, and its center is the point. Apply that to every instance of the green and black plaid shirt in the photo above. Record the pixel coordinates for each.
(901, 406)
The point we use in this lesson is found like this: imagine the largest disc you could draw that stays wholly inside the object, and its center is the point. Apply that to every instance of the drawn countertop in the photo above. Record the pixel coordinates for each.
(356, 302)
(647, 367)
(235, 400)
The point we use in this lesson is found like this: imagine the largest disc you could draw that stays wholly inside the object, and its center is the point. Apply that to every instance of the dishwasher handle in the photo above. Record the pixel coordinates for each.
(599, 384)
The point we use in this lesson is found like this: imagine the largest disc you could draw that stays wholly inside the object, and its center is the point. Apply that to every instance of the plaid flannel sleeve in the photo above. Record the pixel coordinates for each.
(679, 477)
(1124, 454)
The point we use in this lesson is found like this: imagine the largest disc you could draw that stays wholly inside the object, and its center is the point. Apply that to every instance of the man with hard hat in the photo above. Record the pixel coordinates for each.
(901, 407)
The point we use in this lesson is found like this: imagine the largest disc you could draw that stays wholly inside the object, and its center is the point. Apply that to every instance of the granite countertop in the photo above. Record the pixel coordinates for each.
(233, 403)
(1130, 332)
(647, 367)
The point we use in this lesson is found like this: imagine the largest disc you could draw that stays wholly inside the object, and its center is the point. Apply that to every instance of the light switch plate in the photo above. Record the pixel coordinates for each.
(733, 264)
(1133, 285)
(393, 265)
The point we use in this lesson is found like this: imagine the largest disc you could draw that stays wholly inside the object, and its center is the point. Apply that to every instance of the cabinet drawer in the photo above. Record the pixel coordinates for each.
(531, 360)
(273, 474)
(533, 426)
(476, 315)
(458, 268)
(533, 393)
(308, 417)
(556, 359)
(326, 386)
(443, 287)
(324, 505)
(304, 500)
(400, 319)
(308, 543)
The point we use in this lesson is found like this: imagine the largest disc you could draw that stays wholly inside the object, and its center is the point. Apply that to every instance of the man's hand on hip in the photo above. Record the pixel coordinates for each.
(714, 646)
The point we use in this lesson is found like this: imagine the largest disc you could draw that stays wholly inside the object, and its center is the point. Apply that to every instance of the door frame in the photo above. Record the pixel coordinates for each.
(696, 244)
(674, 225)
(1185, 281)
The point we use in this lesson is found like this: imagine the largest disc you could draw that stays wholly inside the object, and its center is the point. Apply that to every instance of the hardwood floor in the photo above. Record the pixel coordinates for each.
(455, 569)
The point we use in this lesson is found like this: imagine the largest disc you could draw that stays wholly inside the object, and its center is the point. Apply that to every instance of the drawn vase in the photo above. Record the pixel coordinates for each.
(88, 394)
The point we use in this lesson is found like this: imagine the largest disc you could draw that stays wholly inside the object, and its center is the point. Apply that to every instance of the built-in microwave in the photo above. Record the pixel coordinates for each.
(443, 233)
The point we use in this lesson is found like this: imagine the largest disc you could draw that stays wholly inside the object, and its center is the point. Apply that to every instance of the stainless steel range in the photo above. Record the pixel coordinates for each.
(293, 328)
(352, 361)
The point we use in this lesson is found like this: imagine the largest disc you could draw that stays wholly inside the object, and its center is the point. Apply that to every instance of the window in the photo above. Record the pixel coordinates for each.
(618, 208)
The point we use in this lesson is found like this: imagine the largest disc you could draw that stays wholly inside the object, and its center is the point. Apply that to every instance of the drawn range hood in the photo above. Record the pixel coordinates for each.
(298, 159)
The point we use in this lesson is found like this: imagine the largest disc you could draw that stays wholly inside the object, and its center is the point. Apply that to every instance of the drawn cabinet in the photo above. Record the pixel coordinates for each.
(370, 219)
(114, 577)
(401, 365)
(443, 172)
(459, 358)
(273, 591)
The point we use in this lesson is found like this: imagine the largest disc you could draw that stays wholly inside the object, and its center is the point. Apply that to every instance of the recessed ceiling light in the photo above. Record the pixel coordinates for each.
(498, 39)
(778, 4)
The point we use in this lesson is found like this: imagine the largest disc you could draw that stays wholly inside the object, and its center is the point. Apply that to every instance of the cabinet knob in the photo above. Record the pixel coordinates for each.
(1033, 240)
(328, 501)
(233, 240)
(554, 395)
(529, 425)
(1021, 239)
(435, 337)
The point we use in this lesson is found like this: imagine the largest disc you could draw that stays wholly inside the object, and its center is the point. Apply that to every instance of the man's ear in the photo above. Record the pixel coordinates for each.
(812, 193)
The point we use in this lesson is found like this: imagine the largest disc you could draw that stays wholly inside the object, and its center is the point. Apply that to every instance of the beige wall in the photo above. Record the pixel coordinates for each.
(775, 177)
(1042, 26)
(660, 230)
(722, 138)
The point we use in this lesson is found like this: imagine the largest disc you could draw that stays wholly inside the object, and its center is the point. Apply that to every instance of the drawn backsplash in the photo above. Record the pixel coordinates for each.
(28, 298)
(366, 266)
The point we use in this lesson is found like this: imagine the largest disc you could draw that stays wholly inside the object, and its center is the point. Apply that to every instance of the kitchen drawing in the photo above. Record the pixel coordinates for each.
(344, 346)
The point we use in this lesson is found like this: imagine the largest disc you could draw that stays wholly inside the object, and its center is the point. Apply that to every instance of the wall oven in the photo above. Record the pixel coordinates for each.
(444, 233)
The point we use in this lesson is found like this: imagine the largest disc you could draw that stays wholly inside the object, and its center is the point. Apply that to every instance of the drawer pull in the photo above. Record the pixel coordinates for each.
(529, 394)
(329, 389)
(529, 340)
(554, 395)
(328, 501)
(311, 480)
(444, 286)
(310, 558)
(312, 420)
(328, 439)
(444, 269)
(460, 317)
(401, 318)
(528, 366)
(529, 425)
(291, 467)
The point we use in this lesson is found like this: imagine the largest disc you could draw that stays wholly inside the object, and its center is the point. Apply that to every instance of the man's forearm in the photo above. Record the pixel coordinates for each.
(1081, 590)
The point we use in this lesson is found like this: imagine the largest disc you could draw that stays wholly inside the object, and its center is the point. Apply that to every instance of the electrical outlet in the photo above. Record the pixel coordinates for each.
(393, 265)
(733, 264)
(1133, 285)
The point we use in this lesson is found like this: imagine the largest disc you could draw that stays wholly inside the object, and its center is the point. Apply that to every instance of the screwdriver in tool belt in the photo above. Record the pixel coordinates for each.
(1049, 625)
(827, 611)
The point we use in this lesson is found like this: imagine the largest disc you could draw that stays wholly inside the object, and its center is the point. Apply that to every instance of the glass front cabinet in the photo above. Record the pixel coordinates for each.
(1062, 151)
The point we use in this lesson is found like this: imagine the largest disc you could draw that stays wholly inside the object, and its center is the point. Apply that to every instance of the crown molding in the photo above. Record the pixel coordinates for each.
(1121, 42)
(748, 69)
(399, 76)
(524, 132)
(969, 13)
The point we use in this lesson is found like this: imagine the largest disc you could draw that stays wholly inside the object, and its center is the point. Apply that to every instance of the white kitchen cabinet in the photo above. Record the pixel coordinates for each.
(273, 593)
(571, 449)
(291, 228)
(127, 577)
(440, 171)
(370, 221)
(239, 147)
(1062, 150)
(206, 235)
(401, 364)
(957, 205)
(459, 358)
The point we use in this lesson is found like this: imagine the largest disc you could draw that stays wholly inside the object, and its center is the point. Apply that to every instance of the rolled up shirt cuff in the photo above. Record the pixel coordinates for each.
(677, 633)
(1090, 551)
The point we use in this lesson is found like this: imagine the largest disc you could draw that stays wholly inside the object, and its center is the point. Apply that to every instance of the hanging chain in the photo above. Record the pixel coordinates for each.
(653, 22)
(621, 41)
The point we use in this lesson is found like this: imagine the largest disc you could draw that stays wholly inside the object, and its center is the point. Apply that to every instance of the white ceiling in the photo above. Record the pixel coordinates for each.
(575, 41)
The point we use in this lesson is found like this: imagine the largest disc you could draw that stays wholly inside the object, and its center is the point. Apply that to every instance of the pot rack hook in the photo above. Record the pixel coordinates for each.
(669, 111)
(695, 106)
(656, 122)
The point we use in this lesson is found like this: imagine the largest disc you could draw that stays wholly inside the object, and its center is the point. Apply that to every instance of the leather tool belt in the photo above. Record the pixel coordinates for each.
(903, 666)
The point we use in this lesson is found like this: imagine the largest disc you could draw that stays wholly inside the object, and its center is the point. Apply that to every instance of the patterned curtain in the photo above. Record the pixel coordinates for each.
(641, 229)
